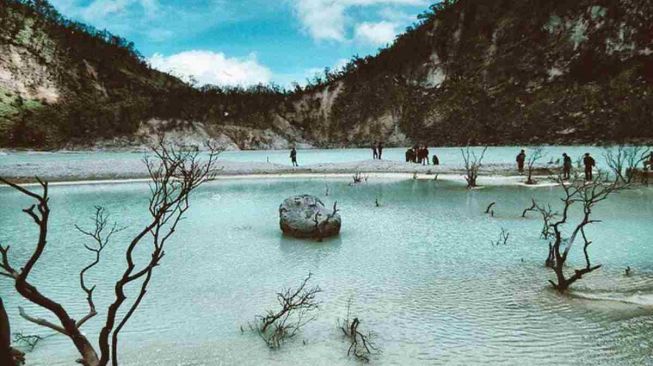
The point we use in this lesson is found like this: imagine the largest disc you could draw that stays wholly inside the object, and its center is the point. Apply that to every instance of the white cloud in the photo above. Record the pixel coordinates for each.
(322, 19)
(213, 67)
(99, 9)
(378, 34)
(155, 20)
(327, 19)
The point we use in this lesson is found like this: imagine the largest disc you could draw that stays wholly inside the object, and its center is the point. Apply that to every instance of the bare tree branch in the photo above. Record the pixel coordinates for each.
(532, 159)
(625, 160)
(174, 176)
(297, 306)
(361, 345)
(473, 163)
(101, 240)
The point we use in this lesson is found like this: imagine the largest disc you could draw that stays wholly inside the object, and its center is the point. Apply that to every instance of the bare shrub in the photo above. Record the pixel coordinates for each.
(625, 160)
(361, 345)
(504, 235)
(532, 159)
(359, 177)
(297, 308)
(472, 165)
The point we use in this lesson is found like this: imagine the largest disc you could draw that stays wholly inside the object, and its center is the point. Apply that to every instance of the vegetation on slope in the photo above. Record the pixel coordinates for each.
(479, 71)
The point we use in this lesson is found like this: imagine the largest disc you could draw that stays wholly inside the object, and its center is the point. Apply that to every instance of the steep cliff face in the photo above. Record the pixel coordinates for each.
(471, 71)
(500, 71)
(66, 84)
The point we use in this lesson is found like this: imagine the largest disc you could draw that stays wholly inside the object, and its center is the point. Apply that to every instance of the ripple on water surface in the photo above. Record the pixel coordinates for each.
(420, 269)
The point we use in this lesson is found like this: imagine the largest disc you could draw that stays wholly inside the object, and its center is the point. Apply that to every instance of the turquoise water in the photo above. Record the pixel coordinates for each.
(449, 156)
(420, 268)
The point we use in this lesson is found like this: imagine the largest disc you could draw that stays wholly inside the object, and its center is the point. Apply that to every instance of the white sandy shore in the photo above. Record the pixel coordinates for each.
(120, 171)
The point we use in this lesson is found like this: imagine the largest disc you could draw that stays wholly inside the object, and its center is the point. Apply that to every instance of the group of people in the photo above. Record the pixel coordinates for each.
(588, 162)
(377, 150)
(420, 154)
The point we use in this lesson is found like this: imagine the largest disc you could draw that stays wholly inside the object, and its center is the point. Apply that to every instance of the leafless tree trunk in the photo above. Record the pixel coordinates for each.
(588, 195)
(176, 174)
(8, 356)
(532, 159)
(489, 207)
(472, 164)
(625, 160)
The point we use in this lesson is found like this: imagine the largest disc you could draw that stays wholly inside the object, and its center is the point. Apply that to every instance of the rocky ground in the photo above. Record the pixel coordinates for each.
(90, 170)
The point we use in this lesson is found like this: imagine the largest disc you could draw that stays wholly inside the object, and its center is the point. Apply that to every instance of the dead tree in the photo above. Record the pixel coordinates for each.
(319, 226)
(174, 175)
(359, 177)
(532, 159)
(489, 207)
(297, 308)
(8, 355)
(624, 161)
(587, 195)
(504, 235)
(472, 165)
(361, 345)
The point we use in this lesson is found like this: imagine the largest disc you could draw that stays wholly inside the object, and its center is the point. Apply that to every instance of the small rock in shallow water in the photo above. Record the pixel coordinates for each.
(298, 216)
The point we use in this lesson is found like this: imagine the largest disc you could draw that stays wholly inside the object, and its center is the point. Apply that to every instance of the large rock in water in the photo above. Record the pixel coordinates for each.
(297, 218)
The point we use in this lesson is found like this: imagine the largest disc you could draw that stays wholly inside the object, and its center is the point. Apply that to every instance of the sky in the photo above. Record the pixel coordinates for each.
(245, 42)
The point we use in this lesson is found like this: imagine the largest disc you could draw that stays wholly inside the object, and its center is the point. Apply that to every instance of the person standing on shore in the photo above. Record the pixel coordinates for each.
(426, 155)
(521, 158)
(589, 163)
(375, 153)
(380, 148)
(293, 157)
(436, 161)
(566, 166)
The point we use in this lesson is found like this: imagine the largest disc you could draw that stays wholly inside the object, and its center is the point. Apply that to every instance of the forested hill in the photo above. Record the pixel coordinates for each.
(505, 71)
(65, 84)
(469, 71)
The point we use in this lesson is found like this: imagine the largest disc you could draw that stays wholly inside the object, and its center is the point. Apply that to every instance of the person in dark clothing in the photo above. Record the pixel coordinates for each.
(375, 153)
(566, 166)
(410, 156)
(380, 148)
(436, 161)
(293, 157)
(426, 156)
(589, 163)
(521, 158)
